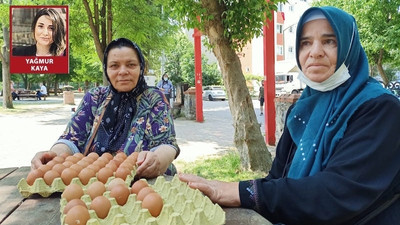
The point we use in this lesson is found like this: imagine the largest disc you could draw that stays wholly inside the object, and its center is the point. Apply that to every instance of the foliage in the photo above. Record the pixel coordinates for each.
(253, 77)
(242, 20)
(180, 64)
(224, 168)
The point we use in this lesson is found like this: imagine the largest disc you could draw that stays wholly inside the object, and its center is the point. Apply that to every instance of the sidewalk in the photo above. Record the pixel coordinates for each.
(36, 129)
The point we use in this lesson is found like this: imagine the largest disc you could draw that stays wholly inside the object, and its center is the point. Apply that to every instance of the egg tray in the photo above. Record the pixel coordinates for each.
(182, 206)
(40, 187)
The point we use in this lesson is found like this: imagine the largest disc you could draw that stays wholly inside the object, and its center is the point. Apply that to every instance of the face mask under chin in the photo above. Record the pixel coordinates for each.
(339, 77)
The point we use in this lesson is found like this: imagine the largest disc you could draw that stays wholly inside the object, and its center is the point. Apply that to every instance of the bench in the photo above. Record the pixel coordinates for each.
(29, 94)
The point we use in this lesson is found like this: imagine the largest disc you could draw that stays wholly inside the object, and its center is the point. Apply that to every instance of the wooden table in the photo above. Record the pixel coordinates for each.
(37, 210)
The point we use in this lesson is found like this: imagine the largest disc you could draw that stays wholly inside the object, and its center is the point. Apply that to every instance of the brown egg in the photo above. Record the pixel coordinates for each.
(68, 174)
(112, 165)
(137, 186)
(121, 193)
(154, 203)
(107, 155)
(44, 168)
(115, 182)
(95, 189)
(122, 172)
(33, 175)
(77, 167)
(73, 203)
(59, 168)
(121, 155)
(79, 155)
(117, 161)
(101, 162)
(93, 155)
(127, 164)
(77, 215)
(143, 193)
(133, 157)
(58, 159)
(83, 163)
(68, 164)
(72, 159)
(72, 191)
(101, 205)
(51, 164)
(104, 174)
(49, 176)
(85, 175)
(95, 168)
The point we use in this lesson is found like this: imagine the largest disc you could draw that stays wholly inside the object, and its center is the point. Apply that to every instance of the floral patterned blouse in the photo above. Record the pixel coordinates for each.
(151, 126)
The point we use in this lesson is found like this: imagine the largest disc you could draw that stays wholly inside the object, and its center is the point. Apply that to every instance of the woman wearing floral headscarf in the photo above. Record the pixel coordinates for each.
(125, 116)
(338, 160)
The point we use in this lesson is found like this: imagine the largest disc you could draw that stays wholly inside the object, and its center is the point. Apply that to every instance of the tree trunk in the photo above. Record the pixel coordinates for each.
(248, 139)
(5, 62)
(380, 68)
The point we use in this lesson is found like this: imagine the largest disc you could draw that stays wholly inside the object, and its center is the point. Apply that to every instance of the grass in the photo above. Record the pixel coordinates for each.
(225, 168)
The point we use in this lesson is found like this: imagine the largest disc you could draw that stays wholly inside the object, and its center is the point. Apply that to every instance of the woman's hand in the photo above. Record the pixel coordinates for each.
(42, 158)
(223, 193)
(152, 164)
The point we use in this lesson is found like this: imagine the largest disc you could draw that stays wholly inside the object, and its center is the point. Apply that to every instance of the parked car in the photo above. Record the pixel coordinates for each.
(214, 93)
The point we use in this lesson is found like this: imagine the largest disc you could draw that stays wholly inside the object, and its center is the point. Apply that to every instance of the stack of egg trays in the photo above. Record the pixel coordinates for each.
(40, 187)
(182, 206)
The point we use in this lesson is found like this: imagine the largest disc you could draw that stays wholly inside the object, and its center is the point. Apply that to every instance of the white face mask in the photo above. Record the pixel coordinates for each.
(165, 78)
(339, 77)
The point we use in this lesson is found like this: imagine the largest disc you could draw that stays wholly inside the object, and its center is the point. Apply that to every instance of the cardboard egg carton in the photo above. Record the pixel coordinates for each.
(182, 206)
(40, 187)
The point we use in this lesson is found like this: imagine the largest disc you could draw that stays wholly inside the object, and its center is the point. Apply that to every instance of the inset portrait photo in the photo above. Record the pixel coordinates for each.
(39, 39)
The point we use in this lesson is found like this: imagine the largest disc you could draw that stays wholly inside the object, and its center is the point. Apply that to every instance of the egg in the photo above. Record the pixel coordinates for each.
(77, 215)
(83, 163)
(72, 191)
(79, 155)
(154, 203)
(112, 165)
(58, 159)
(33, 175)
(122, 172)
(115, 182)
(76, 167)
(121, 193)
(94, 167)
(49, 176)
(73, 203)
(101, 205)
(95, 189)
(68, 174)
(51, 164)
(143, 193)
(137, 186)
(133, 157)
(44, 168)
(85, 175)
(104, 174)
(107, 155)
(120, 155)
(59, 168)
(101, 162)
(68, 164)
(127, 164)
(93, 155)
(72, 159)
